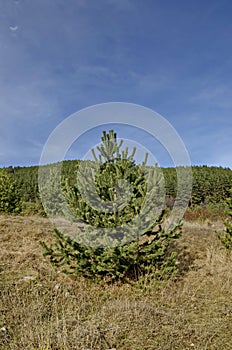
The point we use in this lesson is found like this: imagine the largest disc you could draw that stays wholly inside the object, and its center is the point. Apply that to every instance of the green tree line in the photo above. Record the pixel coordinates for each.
(211, 185)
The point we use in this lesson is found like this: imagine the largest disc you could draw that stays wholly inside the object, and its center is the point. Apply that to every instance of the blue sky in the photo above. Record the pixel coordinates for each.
(59, 56)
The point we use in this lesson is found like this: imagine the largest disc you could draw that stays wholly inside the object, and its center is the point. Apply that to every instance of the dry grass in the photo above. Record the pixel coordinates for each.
(43, 309)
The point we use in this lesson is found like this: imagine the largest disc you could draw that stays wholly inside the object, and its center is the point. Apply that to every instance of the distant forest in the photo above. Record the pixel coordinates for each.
(211, 185)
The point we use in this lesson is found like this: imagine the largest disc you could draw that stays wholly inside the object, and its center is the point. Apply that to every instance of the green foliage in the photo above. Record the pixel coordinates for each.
(51, 189)
(226, 237)
(118, 196)
(9, 194)
(147, 255)
(211, 185)
(26, 179)
(86, 205)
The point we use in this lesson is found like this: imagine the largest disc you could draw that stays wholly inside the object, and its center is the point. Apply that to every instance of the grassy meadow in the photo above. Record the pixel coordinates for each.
(43, 309)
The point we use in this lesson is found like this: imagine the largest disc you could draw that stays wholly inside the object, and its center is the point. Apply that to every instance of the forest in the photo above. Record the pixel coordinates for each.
(210, 186)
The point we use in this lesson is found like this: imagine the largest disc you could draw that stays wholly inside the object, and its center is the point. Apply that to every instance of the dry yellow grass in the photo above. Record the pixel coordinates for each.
(43, 309)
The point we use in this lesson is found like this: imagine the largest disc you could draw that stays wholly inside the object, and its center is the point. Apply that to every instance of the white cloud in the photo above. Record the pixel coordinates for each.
(13, 29)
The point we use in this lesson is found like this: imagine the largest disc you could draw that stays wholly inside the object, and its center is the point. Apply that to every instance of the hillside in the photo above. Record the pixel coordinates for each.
(43, 309)
(210, 186)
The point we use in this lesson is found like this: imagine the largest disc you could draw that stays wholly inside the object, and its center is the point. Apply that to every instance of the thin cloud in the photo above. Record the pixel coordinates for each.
(13, 29)
(218, 96)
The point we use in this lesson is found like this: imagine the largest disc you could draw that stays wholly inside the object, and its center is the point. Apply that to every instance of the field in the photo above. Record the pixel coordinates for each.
(42, 309)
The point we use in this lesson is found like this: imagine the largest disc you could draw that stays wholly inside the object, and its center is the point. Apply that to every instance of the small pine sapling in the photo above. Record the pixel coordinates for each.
(120, 204)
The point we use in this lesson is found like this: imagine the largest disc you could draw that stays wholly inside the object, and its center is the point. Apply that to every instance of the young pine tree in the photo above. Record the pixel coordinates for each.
(9, 194)
(121, 206)
(50, 190)
(226, 237)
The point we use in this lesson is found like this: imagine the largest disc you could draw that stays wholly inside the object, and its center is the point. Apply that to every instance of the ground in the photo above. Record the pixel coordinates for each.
(41, 308)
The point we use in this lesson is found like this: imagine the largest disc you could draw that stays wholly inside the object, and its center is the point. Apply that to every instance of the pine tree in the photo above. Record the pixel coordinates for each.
(50, 187)
(226, 237)
(121, 206)
(9, 194)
